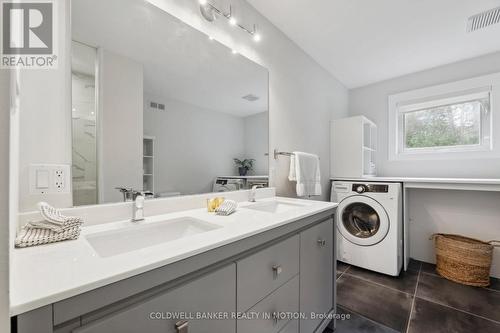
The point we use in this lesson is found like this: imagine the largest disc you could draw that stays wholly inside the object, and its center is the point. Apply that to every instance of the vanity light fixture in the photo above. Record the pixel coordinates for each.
(209, 12)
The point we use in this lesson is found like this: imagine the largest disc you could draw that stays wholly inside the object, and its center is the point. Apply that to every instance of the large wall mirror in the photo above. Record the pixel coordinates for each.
(160, 107)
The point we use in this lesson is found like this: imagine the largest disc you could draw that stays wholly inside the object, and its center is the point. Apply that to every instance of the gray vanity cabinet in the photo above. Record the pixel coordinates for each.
(286, 270)
(316, 273)
(211, 294)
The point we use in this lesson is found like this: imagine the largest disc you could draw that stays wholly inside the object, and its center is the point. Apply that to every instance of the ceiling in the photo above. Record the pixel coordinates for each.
(179, 62)
(365, 41)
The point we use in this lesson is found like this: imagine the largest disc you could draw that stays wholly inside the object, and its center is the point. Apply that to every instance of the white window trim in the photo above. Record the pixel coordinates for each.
(452, 91)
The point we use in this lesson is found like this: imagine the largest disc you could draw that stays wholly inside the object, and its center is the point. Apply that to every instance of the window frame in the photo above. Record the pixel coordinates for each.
(451, 93)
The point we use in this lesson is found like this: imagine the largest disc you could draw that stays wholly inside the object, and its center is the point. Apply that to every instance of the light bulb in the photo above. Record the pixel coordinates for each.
(203, 2)
(232, 21)
(257, 37)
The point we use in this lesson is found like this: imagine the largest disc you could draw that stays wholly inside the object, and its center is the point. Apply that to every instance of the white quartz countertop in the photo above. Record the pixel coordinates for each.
(50, 273)
(481, 181)
(461, 184)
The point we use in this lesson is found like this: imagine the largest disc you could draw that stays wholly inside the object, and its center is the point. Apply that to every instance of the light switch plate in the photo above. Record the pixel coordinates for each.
(50, 178)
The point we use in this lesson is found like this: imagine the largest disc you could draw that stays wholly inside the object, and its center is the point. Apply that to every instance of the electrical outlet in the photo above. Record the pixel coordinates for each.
(49, 178)
(59, 175)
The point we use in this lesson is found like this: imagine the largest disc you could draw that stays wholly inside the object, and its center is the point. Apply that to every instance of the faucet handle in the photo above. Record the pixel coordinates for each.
(123, 189)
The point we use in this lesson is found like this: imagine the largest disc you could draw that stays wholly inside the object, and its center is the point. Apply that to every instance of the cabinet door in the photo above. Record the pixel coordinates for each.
(212, 294)
(316, 273)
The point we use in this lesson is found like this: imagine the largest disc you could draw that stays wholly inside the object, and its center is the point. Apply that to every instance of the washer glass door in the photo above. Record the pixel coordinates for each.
(362, 220)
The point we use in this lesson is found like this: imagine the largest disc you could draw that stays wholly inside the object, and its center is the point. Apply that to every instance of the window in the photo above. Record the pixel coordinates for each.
(450, 121)
(454, 124)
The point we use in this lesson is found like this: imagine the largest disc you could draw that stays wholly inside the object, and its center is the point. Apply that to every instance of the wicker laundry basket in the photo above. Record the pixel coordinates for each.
(464, 260)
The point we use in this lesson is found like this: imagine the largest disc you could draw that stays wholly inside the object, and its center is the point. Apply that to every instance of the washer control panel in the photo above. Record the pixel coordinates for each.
(372, 188)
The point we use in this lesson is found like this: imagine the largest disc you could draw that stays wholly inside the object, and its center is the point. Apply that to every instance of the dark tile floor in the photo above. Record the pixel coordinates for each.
(419, 300)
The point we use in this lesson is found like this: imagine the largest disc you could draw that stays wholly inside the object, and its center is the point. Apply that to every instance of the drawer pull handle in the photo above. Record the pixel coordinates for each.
(321, 242)
(182, 326)
(277, 269)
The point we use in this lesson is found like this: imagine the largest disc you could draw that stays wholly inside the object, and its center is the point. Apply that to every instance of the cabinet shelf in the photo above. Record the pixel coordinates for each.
(354, 147)
(148, 163)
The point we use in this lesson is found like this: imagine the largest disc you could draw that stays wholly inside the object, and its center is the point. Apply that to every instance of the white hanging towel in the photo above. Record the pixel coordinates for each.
(304, 169)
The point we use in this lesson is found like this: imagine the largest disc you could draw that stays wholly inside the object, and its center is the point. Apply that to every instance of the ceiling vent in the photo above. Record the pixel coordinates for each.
(250, 97)
(157, 106)
(483, 20)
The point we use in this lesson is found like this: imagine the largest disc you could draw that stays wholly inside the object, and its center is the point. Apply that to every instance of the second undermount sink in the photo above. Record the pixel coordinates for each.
(113, 242)
(275, 206)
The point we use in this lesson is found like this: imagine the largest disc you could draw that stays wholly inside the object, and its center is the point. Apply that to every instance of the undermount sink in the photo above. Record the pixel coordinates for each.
(275, 206)
(113, 242)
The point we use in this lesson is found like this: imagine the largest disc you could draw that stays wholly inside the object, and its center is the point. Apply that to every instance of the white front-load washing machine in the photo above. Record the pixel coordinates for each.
(369, 221)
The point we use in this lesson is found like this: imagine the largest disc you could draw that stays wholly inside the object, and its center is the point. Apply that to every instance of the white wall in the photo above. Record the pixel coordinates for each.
(120, 125)
(45, 115)
(372, 101)
(470, 213)
(303, 96)
(257, 141)
(4, 200)
(192, 145)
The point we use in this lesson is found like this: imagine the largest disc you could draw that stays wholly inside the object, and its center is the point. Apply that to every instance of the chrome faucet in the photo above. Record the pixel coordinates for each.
(138, 208)
(129, 194)
(253, 191)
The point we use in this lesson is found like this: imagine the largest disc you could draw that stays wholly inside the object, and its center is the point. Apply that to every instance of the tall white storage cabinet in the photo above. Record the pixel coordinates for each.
(353, 147)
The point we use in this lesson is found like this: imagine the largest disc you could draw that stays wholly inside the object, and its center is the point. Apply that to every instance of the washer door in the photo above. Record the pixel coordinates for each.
(362, 220)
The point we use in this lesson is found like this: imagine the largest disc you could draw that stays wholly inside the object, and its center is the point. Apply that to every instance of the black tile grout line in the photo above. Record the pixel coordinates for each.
(479, 288)
(378, 284)
(366, 318)
(414, 295)
(456, 309)
(413, 300)
(445, 305)
(343, 272)
(437, 274)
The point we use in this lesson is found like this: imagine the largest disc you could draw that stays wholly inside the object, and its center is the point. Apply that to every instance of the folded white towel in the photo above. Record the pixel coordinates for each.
(51, 226)
(226, 208)
(305, 170)
(35, 236)
(54, 215)
(54, 228)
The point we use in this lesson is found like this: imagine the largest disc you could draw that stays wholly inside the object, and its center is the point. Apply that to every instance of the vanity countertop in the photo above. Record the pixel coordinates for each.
(46, 274)
(245, 177)
(479, 181)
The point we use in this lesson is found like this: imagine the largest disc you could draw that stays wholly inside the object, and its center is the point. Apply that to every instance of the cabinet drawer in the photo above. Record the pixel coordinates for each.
(263, 272)
(212, 293)
(283, 300)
